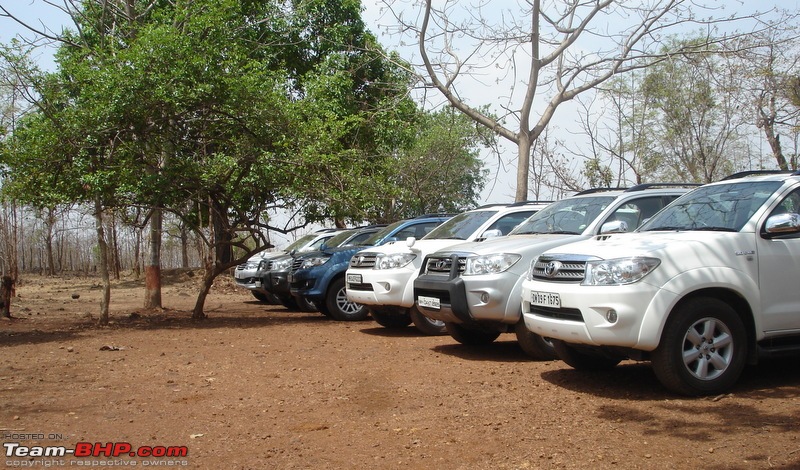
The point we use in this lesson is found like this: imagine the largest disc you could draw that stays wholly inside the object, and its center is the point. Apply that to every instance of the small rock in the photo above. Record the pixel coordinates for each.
(76, 295)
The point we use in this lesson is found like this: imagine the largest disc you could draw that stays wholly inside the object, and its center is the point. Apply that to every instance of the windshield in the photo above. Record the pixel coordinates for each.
(567, 216)
(339, 238)
(380, 234)
(461, 226)
(721, 207)
(300, 242)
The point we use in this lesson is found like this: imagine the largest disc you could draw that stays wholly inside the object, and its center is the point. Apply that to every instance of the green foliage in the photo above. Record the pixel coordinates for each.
(227, 108)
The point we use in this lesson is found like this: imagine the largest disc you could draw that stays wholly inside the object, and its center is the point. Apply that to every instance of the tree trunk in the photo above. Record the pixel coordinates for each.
(49, 223)
(523, 167)
(184, 233)
(6, 292)
(137, 249)
(209, 274)
(103, 262)
(152, 270)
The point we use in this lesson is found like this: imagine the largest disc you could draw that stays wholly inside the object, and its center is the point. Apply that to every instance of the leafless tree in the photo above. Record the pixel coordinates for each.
(533, 56)
(766, 66)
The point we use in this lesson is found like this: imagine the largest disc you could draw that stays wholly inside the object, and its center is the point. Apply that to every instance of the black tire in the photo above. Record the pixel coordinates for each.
(390, 319)
(260, 296)
(305, 305)
(321, 308)
(471, 336)
(342, 309)
(578, 358)
(703, 348)
(426, 325)
(289, 302)
(534, 345)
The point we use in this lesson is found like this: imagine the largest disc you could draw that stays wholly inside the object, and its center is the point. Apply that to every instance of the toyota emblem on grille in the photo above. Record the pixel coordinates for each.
(552, 268)
(441, 264)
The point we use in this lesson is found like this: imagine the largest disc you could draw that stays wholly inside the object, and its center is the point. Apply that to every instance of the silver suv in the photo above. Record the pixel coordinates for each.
(474, 288)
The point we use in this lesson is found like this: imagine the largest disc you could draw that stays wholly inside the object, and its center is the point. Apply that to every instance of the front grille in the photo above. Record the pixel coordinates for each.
(297, 263)
(440, 265)
(241, 267)
(363, 260)
(557, 269)
(572, 314)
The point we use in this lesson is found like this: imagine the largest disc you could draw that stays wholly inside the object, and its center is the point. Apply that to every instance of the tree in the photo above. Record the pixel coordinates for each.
(765, 65)
(441, 171)
(561, 50)
(217, 112)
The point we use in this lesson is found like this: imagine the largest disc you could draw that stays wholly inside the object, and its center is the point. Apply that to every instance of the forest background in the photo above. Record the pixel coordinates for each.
(194, 134)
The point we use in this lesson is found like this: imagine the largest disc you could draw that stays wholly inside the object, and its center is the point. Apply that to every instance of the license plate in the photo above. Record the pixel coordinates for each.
(354, 278)
(545, 299)
(429, 302)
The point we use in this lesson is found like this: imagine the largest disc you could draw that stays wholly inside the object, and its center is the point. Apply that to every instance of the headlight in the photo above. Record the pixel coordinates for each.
(490, 264)
(314, 261)
(251, 265)
(618, 271)
(393, 260)
(282, 264)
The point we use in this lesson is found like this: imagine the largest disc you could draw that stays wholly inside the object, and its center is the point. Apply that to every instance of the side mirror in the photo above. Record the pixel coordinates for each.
(615, 226)
(410, 241)
(494, 233)
(782, 224)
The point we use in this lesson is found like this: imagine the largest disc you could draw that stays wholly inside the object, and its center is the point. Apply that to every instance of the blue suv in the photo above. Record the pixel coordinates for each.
(319, 275)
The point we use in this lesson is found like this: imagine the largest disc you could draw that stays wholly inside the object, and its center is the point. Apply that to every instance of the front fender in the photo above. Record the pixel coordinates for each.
(685, 284)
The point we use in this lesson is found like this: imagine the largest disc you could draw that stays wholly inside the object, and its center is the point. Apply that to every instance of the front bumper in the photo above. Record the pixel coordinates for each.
(581, 315)
(247, 279)
(276, 282)
(464, 299)
(303, 283)
(381, 287)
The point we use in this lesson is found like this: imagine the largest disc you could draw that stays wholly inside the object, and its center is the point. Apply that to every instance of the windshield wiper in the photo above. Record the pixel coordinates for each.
(714, 229)
(666, 228)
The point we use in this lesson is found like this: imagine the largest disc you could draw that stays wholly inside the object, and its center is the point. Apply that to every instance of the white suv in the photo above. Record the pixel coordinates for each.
(706, 286)
(475, 287)
(382, 278)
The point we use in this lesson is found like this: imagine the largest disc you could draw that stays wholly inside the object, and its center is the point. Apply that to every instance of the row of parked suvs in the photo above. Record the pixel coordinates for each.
(698, 280)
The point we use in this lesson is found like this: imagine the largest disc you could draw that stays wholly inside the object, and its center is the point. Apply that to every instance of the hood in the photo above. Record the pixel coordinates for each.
(520, 244)
(421, 247)
(682, 250)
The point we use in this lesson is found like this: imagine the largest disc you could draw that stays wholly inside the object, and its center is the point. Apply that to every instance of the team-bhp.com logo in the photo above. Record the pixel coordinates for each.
(95, 449)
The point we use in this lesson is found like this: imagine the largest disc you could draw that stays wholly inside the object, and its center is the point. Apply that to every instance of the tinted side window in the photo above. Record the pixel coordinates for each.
(637, 211)
(507, 222)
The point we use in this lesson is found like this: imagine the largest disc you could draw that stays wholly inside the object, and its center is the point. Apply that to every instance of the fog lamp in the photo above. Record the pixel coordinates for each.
(611, 316)
(485, 297)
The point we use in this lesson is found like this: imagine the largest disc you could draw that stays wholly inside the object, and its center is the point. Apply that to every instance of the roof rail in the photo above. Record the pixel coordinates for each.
(438, 214)
(643, 186)
(743, 174)
(599, 190)
(360, 227)
(522, 203)
(486, 206)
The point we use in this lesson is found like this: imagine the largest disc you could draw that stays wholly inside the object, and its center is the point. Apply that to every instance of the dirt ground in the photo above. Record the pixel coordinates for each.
(257, 386)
